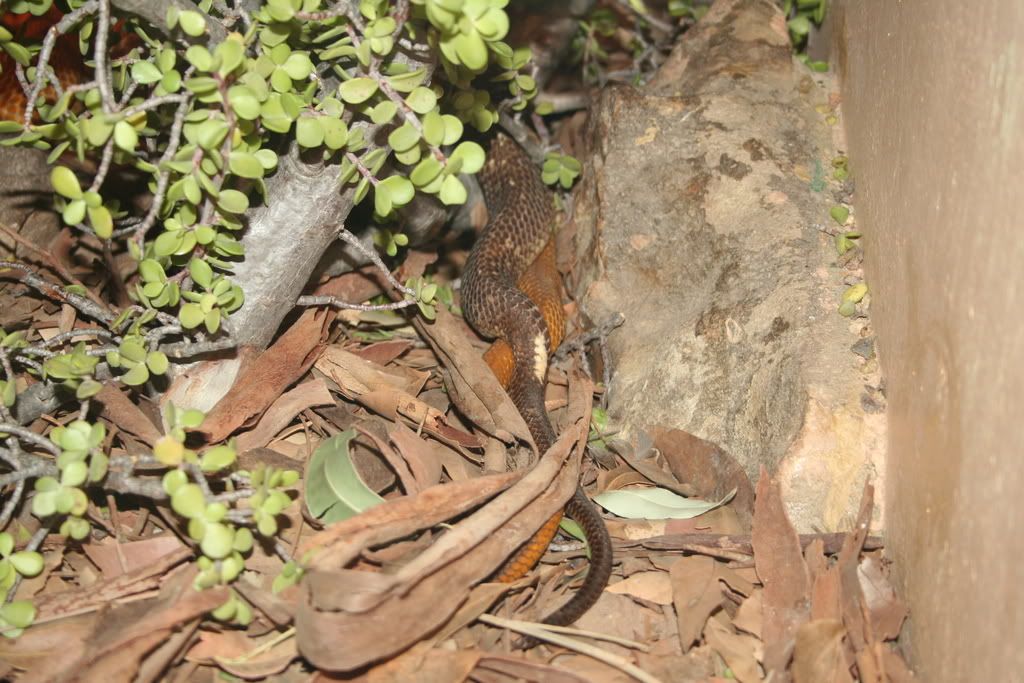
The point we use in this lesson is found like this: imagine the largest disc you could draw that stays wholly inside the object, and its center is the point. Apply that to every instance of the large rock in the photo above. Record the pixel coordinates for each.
(696, 219)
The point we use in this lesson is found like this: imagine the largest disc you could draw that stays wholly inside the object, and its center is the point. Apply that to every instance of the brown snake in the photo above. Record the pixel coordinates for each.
(511, 291)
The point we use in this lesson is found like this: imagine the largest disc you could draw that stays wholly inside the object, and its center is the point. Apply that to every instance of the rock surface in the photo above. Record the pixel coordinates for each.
(698, 218)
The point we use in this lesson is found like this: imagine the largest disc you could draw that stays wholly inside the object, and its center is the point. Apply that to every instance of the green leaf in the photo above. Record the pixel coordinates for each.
(421, 100)
(855, 293)
(245, 165)
(334, 489)
(174, 480)
(233, 201)
(403, 138)
(217, 458)
(74, 474)
(655, 503)
(136, 376)
(382, 200)
(28, 563)
(244, 102)
(188, 501)
(199, 57)
(308, 131)
(452, 191)
(425, 171)
(433, 128)
(19, 614)
(839, 214)
(400, 189)
(383, 112)
(146, 72)
(65, 183)
(192, 23)
(217, 541)
(125, 136)
(335, 132)
(471, 155)
(357, 90)
(102, 222)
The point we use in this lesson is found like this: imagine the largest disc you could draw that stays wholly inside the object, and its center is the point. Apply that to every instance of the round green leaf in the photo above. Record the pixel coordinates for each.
(471, 155)
(74, 474)
(298, 66)
(174, 480)
(199, 57)
(357, 90)
(19, 614)
(27, 562)
(217, 458)
(245, 165)
(383, 112)
(157, 362)
(188, 501)
(102, 222)
(433, 128)
(403, 137)
(421, 100)
(136, 376)
(201, 272)
(65, 183)
(217, 541)
(233, 201)
(400, 189)
(308, 131)
(244, 102)
(452, 191)
(425, 171)
(335, 132)
(191, 316)
(192, 23)
(146, 72)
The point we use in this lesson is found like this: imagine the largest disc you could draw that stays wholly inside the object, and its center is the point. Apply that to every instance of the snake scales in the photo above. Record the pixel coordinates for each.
(511, 291)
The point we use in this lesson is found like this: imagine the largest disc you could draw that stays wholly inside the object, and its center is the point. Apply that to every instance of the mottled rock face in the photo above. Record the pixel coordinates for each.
(697, 218)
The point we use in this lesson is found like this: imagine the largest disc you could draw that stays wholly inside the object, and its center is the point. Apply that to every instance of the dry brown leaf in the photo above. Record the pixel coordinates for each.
(512, 667)
(421, 455)
(851, 598)
(696, 594)
(121, 411)
(384, 352)
(141, 580)
(263, 379)
(780, 566)
(471, 384)
(242, 656)
(712, 472)
(378, 616)
(282, 411)
(818, 656)
(129, 634)
(887, 612)
(748, 616)
(356, 375)
(737, 649)
(210, 644)
(424, 664)
(653, 586)
(136, 554)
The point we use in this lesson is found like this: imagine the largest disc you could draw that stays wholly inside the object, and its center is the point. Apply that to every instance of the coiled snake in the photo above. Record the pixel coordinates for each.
(511, 291)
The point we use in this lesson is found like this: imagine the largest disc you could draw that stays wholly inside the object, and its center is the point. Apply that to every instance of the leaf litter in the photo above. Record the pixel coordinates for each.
(396, 589)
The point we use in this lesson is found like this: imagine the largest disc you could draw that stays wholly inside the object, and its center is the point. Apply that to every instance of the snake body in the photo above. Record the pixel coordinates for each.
(511, 291)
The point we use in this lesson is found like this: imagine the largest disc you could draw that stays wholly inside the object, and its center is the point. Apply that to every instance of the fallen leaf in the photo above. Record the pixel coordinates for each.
(781, 569)
(696, 594)
(653, 586)
(818, 656)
